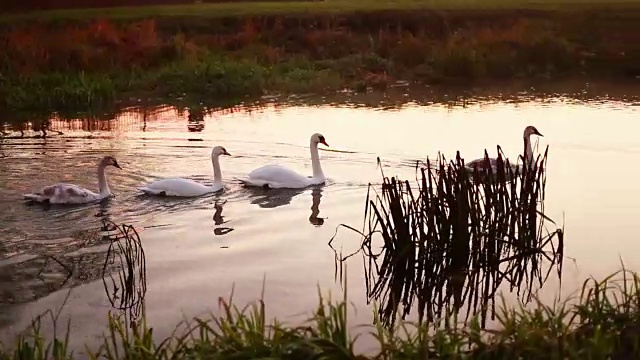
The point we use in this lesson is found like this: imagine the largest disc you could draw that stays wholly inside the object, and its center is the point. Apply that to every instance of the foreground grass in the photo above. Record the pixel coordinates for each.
(51, 63)
(599, 323)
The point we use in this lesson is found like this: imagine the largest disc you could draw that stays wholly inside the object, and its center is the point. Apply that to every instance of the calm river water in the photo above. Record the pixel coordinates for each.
(195, 254)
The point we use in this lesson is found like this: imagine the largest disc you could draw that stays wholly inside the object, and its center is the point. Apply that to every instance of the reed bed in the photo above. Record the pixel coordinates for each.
(456, 237)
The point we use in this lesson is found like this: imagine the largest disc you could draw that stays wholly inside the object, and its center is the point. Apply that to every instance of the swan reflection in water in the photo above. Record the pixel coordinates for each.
(272, 198)
(218, 219)
(316, 194)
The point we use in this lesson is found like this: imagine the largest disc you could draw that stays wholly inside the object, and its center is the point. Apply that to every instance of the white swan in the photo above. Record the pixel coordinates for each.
(64, 193)
(188, 188)
(528, 151)
(278, 176)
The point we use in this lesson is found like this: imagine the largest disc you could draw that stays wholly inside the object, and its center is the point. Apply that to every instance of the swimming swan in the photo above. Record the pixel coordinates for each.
(64, 193)
(528, 151)
(278, 176)
(188, 188)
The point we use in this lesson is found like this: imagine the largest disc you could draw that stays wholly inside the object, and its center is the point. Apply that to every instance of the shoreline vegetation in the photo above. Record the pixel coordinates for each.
(599, 322)
(65, 60)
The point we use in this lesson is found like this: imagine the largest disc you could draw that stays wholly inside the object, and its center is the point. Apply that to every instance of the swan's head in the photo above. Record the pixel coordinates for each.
(109, 161)
(318, 138)
(219, 150)
(531, 130)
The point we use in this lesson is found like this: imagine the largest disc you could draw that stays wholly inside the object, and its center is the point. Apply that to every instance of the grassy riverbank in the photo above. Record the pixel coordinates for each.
(599, 323)
(70, 59)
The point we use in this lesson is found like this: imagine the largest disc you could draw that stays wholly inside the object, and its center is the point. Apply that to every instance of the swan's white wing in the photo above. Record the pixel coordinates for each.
(275, 176)
(276, 173)
(176, 187)
(63, 193)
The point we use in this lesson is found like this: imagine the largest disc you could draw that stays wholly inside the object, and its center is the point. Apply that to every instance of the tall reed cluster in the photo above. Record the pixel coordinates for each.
(456, 237)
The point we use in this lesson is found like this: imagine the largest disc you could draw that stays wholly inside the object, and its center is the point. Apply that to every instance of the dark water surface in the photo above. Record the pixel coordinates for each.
(196, 251)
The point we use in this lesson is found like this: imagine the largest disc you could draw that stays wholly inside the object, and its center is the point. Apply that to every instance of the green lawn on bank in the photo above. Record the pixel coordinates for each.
(327, 6)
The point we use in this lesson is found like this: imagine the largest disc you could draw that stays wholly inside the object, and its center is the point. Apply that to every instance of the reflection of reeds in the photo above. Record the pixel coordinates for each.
(125, 247)
(457, 236)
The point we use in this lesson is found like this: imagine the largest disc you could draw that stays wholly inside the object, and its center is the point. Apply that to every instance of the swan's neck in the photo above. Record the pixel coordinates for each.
(528, 151)
(315, 161)
(102, 181)
(217, 174)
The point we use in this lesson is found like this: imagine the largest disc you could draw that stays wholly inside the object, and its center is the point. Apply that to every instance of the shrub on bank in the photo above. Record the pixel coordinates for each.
(79, 62)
